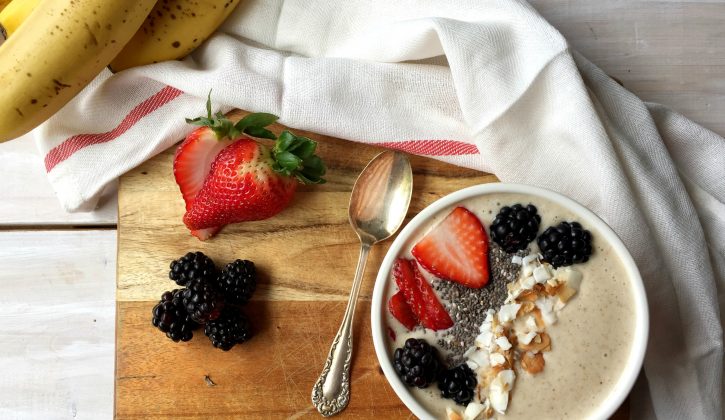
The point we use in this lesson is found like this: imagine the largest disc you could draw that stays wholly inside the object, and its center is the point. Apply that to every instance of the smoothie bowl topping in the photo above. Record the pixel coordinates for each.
(472, 316)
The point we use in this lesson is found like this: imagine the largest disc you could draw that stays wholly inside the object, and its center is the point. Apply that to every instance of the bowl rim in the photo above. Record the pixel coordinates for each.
(641, 331)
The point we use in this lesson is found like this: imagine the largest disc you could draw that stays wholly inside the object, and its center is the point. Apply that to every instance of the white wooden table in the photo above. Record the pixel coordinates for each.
(57, 271)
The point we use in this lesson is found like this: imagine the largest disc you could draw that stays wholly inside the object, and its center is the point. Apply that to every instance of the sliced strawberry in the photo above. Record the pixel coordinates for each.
(436, 316)
(405, 279)
(456, 249)
(419, 295)
(193, 159)
(399, 308)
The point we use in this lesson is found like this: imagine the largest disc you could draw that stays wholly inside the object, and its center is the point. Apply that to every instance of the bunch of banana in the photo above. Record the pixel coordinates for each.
(173, 30)
(56, 47)
(12, 14)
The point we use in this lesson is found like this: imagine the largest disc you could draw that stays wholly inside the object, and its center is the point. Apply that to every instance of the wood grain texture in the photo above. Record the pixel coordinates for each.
(27, 199)
(671, 52)
(269, 377)
(307, 252)
(56, 326)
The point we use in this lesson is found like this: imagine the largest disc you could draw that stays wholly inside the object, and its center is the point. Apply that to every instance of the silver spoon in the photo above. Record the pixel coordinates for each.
(378, 206)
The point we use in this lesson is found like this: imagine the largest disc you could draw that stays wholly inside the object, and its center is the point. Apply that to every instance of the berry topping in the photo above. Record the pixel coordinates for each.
(456, 249)
(238, 282)
(231, 328)
(400, 309)
(514, 227)
(192, 266)
(458, 384)
(170, 316)
(565, 244)
(421, 299)
(202, 301)
(417, 363)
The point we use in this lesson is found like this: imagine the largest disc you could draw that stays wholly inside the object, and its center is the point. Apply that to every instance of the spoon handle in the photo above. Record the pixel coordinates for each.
(331, 392)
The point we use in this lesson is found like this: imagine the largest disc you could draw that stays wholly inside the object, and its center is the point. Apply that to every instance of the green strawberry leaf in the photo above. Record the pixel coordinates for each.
(295, 156)
(258, 120)
(260, 132)
(223, 127)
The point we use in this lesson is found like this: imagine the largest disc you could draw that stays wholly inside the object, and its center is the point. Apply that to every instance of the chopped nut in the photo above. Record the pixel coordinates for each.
(453, 414)
(552, 290)
(539, 318)
(565, 293)
(532, 363)
(542, 342)
(527, 296)
(527, 307)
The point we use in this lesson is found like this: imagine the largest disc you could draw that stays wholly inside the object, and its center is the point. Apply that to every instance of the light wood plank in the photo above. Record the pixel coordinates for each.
(57, 324)
(671, 52)
(27, 199)
(268, 377)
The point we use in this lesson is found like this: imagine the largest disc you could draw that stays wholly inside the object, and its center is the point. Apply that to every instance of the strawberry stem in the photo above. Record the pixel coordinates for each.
(293, 155)
(223, 127)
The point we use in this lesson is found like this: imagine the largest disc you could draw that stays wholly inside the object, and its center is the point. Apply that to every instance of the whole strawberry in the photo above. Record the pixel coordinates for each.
(226, 176)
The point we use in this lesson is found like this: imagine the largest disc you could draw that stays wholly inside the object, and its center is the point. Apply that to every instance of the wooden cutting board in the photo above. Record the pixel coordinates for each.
(306, 257)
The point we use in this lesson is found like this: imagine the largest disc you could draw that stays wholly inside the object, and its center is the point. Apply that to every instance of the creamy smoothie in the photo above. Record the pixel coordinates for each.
(590, 340)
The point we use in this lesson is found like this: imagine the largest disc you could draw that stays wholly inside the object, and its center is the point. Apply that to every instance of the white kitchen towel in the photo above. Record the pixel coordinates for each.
(486, 84)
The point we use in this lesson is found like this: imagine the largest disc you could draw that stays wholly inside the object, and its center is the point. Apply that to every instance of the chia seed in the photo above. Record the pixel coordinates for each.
(467, 307)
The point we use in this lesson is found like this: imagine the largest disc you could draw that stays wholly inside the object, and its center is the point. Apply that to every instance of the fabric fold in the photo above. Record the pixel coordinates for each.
(488, 85)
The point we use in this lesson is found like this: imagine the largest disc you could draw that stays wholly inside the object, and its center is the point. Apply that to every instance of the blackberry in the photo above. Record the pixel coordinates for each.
(202, 301)
(192, 266)
(458, 384)
(514, 227)
(231, 328)
(565, 244)
(417, 363)
(238, 281)
(170, 316)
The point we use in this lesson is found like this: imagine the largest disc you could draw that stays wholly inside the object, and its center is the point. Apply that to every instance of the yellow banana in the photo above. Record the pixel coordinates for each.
(4, 3)
(14, 13)
(173, 29)
(56, 52)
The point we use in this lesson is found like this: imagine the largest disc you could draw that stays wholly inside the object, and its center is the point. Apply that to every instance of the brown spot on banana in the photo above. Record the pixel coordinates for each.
(91, 35)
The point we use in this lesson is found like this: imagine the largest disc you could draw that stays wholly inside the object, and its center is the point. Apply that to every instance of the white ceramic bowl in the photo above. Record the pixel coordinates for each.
(634, 362)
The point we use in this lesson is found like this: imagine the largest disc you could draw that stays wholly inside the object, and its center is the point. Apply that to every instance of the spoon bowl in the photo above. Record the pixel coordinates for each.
(381, 196)
(378, 205)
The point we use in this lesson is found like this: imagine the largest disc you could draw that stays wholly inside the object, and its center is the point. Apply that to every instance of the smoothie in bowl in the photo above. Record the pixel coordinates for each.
(508, 301)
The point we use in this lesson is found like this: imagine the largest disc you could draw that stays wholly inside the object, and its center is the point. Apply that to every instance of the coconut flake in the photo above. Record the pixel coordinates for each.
(503, 342)
(526, 338)
(527, 283)
(531, 324)
(499, 390)
(452, 414)
(473, 409)
(546, 306)
(496, 359)
(508, 312)
(480, 358)
(517, 260)
(541, 274)
(484, 339)
(529, 258)
(469, 351)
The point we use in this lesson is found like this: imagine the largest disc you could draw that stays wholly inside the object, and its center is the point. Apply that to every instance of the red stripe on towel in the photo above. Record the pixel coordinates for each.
(77, 142)
(432, 147)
